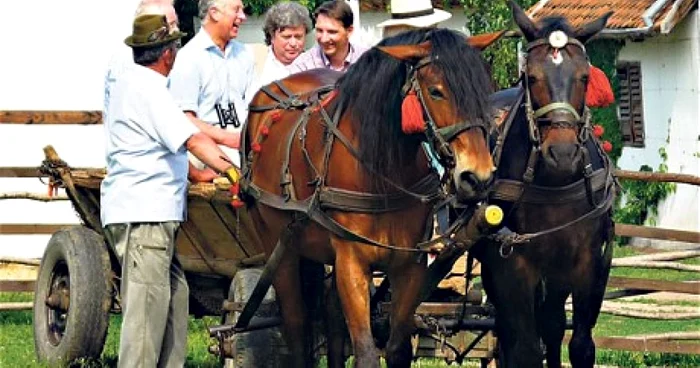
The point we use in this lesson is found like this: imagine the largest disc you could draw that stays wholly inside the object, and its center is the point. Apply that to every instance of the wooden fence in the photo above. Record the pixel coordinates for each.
(672, 343)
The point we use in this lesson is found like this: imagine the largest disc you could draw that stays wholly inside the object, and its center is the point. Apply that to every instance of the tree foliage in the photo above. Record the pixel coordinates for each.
(484, 16)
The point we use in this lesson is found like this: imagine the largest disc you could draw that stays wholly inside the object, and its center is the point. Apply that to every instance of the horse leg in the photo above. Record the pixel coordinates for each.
(406, 283)
(551, 323)
(335, 327)
(353, 278)
(287, 284)
(588, 299)
(510, 284)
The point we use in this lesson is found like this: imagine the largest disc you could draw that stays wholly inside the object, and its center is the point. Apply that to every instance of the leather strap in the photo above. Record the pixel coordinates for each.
(510, 190)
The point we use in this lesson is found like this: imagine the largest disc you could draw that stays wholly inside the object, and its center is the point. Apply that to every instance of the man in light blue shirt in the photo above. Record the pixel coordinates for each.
(212, 80)
(144, 196)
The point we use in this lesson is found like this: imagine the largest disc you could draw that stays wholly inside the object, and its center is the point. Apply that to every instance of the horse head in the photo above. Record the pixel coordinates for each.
(555, 77)
(445, 96)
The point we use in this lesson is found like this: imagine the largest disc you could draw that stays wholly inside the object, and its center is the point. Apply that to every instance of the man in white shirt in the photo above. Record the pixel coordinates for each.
(123, 59)
(213, 75)
(285, 26)
(144, 196)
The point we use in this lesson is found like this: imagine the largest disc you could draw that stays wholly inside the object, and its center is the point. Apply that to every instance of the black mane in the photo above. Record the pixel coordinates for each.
(371, 92)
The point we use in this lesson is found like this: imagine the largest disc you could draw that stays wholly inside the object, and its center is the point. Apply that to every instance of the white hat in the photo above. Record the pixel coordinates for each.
(414, 13)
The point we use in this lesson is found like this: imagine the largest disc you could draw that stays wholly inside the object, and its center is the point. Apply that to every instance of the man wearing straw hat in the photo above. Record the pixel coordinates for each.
(412, 14)
(144, 196)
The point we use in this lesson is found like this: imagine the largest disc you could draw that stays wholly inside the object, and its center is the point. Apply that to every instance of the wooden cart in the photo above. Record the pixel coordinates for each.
(78, 282)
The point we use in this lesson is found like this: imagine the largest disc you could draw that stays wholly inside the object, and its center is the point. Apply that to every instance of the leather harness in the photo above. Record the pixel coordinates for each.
(428, 190)
(600, 182)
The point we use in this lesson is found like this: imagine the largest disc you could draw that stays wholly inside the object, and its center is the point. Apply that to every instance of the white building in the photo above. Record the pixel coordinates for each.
(660, 101)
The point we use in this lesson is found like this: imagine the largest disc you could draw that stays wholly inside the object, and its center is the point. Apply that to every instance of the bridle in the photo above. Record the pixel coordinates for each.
(536, 118)
(438, 139)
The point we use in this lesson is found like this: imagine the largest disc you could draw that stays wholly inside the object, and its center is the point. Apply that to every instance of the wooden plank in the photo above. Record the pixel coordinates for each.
(16, 286)
(26, 229)
(655, 285)
(658, 177)
(34, 196)
(16, 306)
(652, 346)
(22, 261)
(33, 172)
(656, 233)
(51, 117)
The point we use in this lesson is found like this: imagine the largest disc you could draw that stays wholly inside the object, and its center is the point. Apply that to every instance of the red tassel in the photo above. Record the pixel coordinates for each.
(598, 130)
(276, 116)
(234, 188)
(237, 203)
(235, 200)
(412, 114)
(256, 147)
(599, 92)
(607, 146)
(264, 131)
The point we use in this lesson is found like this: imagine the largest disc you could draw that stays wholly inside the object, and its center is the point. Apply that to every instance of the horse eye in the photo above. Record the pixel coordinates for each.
(435, 93)
(531, 79)
(584, 79)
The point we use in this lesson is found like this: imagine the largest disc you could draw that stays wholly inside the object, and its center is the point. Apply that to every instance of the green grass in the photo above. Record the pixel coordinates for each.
(17, 347)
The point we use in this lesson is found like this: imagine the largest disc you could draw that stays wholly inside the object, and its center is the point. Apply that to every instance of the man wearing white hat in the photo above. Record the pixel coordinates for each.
(412, 14)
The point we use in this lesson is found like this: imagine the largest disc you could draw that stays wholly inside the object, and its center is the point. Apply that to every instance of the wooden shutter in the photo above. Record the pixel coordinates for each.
(630, 104)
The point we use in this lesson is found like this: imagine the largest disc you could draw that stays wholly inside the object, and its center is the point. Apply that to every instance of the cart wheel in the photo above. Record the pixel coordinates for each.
(73, 297)
(262, 348)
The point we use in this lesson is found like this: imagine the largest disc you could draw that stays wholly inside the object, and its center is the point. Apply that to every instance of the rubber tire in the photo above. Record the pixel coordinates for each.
(89, 274)
(256, 349)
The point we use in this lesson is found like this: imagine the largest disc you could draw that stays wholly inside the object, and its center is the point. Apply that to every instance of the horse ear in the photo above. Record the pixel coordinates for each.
(526, 25)
(485, 40)
(585, 32)
(407, 52)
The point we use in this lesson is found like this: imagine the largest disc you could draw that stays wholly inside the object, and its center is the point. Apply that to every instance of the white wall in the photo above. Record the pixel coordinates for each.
(54, 57)
(671, 94)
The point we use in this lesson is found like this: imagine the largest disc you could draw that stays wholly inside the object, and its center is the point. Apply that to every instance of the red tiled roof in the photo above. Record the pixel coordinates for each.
(628, 14)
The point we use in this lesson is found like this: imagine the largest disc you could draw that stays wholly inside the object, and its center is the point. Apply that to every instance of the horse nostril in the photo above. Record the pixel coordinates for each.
(468, 178)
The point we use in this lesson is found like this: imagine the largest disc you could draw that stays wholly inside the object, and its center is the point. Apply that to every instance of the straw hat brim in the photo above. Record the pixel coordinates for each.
(129, 41)
(438, 16)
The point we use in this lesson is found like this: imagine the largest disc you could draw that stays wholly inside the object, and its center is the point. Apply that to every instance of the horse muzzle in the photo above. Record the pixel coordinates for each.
(470, 186)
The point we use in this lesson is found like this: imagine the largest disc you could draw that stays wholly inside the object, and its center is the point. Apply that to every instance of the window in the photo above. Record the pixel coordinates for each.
(630, 105)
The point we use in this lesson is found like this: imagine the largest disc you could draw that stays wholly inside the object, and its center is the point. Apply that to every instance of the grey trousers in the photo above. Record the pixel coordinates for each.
(154, 295)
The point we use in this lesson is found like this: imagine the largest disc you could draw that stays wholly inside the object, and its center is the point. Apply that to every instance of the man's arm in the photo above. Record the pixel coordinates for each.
(207, 151)
(220, 136)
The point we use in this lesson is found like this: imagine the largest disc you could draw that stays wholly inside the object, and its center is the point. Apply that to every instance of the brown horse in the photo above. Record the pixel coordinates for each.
(554, 184)
(334, 179)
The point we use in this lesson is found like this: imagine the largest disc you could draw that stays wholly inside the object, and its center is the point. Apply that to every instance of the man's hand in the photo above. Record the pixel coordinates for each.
(206, 175)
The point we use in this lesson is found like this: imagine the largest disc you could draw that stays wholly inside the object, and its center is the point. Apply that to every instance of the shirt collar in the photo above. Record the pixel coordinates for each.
(348, 57)
(208, 44)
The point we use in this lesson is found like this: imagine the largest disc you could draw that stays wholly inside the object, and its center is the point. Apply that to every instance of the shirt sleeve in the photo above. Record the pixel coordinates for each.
(184, 83)
(251, 82)
(171, 125)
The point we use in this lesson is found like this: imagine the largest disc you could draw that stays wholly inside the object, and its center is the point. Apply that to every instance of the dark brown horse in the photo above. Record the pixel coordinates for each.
(335, 180)
(554, 184)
